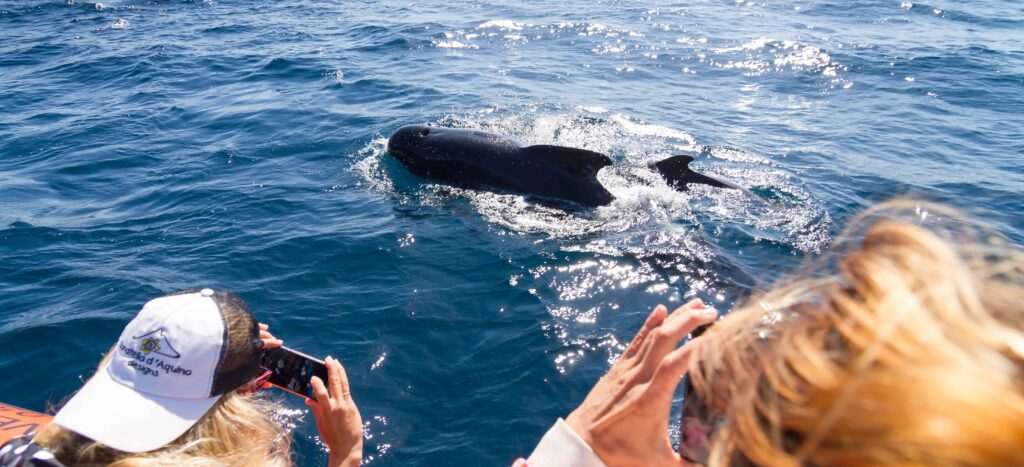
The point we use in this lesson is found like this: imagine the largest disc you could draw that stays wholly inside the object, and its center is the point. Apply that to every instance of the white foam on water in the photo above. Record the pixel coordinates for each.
(368, 166)
(503, 24)
(454, 45)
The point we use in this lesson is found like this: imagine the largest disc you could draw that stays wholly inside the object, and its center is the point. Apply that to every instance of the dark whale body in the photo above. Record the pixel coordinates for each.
(478, 159)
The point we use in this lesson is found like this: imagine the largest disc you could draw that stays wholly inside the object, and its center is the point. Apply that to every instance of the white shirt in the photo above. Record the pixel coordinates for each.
(562, 447)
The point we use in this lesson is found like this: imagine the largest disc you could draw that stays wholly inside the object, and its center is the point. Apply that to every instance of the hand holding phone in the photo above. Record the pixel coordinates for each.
(337, 418)
(292, 370)
(627, 411)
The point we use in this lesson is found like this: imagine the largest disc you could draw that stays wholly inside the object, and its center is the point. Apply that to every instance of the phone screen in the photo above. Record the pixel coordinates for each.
(695, 427)
(697, 422)
(292, 370)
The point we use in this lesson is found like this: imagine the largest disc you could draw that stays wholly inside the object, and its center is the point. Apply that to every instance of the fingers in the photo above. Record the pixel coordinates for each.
(670, 371)
(338, 380)
(323, 425)
(268, 339)
(320, 392)
(664, 339)
(688, 317)
(320, 405)
(337, 417)
(680, 323)
(653, 320)
(338, 377)
(316, 409)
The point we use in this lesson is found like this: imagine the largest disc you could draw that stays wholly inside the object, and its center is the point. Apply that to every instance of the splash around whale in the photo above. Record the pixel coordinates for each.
(482, 160)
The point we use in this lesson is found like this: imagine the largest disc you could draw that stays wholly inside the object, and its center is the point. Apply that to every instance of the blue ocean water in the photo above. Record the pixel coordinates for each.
(150, 146)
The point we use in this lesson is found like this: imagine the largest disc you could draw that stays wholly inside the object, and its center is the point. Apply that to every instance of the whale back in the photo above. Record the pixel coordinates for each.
(578, 162)
(475, 158)
(565, 173)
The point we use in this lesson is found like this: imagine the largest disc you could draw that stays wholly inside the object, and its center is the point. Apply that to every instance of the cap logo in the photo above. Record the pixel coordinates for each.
(151, 343)
(145, 359)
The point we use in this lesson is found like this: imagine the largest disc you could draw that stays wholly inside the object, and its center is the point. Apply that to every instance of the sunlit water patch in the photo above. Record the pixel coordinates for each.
(646, 46)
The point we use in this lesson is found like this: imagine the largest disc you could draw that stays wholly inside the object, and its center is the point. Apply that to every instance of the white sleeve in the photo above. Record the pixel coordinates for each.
(562, 447)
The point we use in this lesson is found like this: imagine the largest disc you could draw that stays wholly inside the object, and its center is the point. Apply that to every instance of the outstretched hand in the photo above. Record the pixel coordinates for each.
(624, 418)
(337, 417)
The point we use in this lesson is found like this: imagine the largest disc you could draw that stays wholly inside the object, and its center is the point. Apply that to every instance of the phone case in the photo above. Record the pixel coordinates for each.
(292, 370)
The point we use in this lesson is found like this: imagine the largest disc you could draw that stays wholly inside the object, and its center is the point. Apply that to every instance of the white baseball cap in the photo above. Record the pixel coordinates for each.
(170, 366)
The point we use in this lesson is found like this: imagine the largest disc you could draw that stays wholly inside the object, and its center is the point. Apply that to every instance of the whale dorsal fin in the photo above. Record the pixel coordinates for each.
(677, 172)
(579, 162)
(679, 163)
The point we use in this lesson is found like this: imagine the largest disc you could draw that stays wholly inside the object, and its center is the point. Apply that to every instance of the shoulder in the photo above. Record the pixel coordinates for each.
(22, 452)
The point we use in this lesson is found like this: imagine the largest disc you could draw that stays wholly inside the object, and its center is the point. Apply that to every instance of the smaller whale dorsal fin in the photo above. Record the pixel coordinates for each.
(579, 162)
(679, 163)
(677, 172)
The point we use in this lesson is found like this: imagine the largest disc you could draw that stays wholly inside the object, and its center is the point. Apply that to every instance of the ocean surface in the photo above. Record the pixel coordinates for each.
(152, 146)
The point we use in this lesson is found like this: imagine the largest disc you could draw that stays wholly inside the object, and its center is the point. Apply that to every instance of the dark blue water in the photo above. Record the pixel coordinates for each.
(149, 146)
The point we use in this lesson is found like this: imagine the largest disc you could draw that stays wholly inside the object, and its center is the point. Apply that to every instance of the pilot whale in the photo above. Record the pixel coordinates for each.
(479, 159)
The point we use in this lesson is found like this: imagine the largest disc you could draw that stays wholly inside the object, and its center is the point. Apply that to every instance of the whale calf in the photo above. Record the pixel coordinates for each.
(479, 159)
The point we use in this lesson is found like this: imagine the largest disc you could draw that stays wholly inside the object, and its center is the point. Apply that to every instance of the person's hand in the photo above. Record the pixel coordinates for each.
(624, 419)
(268, 339)
(337, 417)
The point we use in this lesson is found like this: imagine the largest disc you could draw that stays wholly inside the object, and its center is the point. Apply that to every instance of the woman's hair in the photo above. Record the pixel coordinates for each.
(239, 430)
(912, 353)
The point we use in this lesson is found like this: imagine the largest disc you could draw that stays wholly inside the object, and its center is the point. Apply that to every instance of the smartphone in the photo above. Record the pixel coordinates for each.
(292, 370)
(697, 422)
(695, 427)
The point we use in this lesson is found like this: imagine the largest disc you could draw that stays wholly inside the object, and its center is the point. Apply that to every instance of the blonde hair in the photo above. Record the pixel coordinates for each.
(911, 354)
(238, 431)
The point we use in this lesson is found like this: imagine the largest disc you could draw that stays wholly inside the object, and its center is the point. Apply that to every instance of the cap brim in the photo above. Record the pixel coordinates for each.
(127, 420)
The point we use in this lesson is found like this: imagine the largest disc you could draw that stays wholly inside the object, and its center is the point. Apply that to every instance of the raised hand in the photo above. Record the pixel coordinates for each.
(624, 418)
(337, 418)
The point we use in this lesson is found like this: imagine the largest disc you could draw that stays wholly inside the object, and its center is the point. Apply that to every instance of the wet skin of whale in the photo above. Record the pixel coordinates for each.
(478, 159)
